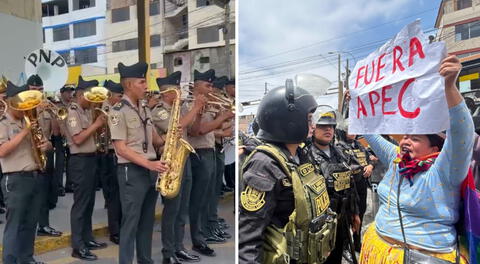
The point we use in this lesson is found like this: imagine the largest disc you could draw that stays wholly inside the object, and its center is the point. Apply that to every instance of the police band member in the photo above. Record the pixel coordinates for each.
(334, 167)
(134, 137)
(80, 129)
(230, 168)
(280, 220)
(62, 152)
(362, 168)
(214, 230)
(175, 210)
(3, 90)
(48, 187)
(20, 183)
(201, 137)
(108, 171)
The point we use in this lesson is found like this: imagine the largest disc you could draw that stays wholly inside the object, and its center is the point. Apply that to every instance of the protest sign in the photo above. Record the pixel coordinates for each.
(397, 89)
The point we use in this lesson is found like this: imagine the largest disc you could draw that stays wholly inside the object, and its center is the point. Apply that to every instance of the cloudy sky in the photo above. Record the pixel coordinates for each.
(279, 39)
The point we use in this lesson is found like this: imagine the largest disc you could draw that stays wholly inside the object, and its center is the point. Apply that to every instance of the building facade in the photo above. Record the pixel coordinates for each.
(458, 24)
(23, 22)
(76, 30)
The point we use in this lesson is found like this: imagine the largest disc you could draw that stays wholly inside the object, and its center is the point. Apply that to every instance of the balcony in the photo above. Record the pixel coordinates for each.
(174, 8)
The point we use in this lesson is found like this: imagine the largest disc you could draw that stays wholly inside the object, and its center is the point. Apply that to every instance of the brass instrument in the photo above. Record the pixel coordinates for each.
(221, 100)
(28, 101)
(3, 89)
(97, 95)
(175, 154)
(59, 112)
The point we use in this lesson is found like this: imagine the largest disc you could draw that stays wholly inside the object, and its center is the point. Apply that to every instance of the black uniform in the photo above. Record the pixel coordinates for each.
(358, 158)
(343, 202)
(264, 174)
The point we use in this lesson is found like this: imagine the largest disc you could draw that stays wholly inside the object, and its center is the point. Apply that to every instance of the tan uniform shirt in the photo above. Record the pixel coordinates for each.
(207, 140)
(45, 121)
(63, 123)
(161, 117)
(79, 119)
(21, 158)
(126, 124)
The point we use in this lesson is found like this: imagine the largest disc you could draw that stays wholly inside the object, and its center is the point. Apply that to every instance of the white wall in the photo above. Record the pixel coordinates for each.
(23, 37)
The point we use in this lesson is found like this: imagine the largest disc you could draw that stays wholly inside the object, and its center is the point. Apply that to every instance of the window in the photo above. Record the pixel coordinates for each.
(204, 60)
(207, 34)
(153, 66)
(467, 31)
(115, 70)
(201, 3)
(65, 55)
(87, 55)
(82, 4)
(61, 33)
(126, 44)
(154, 7)
(155, 40)
(178, 61)
(461, 4)
(84, 29)
(120, 14)
(54, 8)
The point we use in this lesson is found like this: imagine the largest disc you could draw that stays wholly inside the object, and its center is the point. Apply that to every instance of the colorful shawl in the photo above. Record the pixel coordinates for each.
(468, 227)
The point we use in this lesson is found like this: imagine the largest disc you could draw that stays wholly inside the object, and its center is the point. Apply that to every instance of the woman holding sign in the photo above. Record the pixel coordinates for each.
(424, 177)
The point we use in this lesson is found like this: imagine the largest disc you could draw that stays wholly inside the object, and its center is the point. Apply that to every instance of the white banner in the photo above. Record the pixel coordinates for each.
(397, 89)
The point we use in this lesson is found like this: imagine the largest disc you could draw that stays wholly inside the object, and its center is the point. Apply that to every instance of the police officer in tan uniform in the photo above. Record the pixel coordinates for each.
(230, 168)
(19, 183)
(62, 152)
(108, 170)
(134, 137)
(202, 138)
(175, 210)
(215, 225)
(48, 187)
(82, 166)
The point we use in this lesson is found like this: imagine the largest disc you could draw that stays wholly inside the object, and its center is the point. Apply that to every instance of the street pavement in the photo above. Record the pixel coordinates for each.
(225, 252)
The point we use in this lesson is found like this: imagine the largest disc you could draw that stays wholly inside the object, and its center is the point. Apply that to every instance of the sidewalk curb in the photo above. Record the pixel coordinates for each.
(47, 244)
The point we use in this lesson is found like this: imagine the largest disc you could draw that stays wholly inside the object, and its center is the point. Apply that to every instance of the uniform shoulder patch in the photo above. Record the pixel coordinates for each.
(73, 107)
(3, 117)
(114, 119)
(118, 106)
(163, 114)
(252, 200)
(72, 122)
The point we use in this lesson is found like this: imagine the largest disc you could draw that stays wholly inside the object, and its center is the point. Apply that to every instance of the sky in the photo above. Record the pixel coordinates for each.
(279, 39)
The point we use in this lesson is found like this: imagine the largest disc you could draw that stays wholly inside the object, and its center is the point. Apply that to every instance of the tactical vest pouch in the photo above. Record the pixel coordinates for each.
(275, 246)
(322, 242)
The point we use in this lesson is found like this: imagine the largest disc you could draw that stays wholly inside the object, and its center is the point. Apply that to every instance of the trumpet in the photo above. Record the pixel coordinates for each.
(59, 112)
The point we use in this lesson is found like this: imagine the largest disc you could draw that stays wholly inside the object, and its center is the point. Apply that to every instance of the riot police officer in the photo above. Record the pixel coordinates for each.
(280, 220)
(340, 185)
(362, 167)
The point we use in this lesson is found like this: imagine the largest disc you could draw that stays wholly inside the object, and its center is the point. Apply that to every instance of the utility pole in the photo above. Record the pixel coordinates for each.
(143, 22)
(226, 30)
(340, 83)
(266, 89)
(347, 76)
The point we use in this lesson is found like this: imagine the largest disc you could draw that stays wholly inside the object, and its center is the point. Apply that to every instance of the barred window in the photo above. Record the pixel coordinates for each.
(61, 33)
(88, 55)
(124, 45)
(84, 29)
(207, 34)
(120, 14)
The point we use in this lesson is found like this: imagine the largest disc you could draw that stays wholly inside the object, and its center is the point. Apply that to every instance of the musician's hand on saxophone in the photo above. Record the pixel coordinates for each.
(45, 145)
(158, 166)
(180, 131)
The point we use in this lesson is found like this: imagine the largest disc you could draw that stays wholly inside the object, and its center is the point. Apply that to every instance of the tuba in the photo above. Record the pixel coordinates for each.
(59, 112)
(97, 95)
(175, 153)
(28, 101)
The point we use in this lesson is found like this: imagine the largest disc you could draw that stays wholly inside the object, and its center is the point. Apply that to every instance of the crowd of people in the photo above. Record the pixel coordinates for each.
(116, 145)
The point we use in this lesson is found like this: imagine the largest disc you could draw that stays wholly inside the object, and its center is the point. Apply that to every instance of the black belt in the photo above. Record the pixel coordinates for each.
(22, 173)
(199, 150)
(91, 154)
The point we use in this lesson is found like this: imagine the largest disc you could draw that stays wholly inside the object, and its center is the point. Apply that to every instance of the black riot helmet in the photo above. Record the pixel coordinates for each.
(282, 115)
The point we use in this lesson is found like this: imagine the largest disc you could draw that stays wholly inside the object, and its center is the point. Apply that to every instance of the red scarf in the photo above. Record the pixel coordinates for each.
(409, 167)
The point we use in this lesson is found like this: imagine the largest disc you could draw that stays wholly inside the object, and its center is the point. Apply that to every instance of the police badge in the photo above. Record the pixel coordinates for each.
(114, 119)
(163, 114)
(72, 122)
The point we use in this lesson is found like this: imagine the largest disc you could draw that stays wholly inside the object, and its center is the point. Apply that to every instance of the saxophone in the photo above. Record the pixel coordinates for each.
(28, 101)
(175, 154)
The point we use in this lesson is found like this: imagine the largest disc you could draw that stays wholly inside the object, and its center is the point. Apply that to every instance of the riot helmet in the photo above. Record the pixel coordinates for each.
(282, 115)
